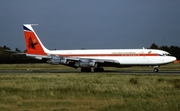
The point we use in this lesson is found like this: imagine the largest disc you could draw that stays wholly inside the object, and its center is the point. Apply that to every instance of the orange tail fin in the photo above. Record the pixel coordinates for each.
(33, 43)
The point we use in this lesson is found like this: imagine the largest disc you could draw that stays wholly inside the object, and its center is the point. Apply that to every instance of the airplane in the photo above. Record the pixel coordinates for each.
(95, 59)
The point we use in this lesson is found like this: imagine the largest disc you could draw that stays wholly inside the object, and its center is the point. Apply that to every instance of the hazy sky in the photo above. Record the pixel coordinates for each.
(91, 24)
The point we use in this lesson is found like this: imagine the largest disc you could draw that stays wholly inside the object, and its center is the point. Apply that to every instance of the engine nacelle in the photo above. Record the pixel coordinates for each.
(57, 60)
(85, 63)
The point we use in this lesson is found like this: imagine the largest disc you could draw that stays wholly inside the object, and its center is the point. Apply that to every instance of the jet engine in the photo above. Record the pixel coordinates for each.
(57, 60)
(85, 63)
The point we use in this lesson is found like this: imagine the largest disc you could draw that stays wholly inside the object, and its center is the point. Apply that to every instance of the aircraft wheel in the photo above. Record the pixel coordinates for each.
(98, 69)
(95, 69)
(156, 70)
(85, 69)
(101, 70)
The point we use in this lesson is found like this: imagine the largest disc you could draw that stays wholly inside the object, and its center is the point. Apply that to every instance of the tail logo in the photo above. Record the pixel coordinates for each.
(32, 43)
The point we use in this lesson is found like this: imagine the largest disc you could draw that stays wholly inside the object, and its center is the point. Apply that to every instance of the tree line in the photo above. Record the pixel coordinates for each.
(7, 57)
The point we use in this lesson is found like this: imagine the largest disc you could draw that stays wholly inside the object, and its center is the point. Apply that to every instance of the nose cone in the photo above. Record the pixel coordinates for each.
(174, 58)
(169, 59)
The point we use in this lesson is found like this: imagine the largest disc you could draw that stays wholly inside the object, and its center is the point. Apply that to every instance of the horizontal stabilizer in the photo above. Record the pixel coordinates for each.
(15, 52)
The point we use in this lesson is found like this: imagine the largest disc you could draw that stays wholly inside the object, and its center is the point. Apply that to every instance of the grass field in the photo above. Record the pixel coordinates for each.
(88, 91)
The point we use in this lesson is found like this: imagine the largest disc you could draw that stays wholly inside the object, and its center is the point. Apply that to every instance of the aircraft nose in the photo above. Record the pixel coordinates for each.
(170, 59)
(173, 58)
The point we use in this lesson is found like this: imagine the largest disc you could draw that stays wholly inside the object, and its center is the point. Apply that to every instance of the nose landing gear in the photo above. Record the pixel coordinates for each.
(156, 69)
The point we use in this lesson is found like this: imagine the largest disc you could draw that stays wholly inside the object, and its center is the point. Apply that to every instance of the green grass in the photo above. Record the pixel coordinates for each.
(93, 92)
(37, 66)
(88, 91)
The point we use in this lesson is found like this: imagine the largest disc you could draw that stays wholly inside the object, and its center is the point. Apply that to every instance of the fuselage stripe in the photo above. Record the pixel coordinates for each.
(82, 55)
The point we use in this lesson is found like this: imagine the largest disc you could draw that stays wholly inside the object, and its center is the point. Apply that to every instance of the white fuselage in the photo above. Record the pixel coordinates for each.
(122, 56)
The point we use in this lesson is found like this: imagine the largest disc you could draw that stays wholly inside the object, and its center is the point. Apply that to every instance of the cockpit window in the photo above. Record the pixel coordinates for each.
(166, 54)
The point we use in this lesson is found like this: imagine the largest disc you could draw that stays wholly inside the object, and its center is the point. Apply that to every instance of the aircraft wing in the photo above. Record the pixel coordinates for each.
(72, 61)
(91, 59)
(78, 61)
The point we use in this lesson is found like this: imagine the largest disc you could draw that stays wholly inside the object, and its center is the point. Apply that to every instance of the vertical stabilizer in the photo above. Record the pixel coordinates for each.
(33, 43)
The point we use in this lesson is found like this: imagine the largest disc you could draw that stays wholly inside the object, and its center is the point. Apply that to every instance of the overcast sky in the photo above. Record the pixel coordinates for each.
(91, 24)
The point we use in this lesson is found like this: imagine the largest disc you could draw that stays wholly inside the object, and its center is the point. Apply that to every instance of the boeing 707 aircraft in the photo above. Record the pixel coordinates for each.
(94, 59)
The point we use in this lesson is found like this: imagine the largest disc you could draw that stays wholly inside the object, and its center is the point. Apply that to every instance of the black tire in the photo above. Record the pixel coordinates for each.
(98, 69)
(156, 70)
(85, 69)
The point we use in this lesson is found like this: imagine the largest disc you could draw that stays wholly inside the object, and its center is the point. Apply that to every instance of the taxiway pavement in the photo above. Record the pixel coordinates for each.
(164, 72)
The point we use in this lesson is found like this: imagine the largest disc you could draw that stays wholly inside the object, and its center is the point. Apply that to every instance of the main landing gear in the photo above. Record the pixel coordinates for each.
(87, 69)
(98, 69)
